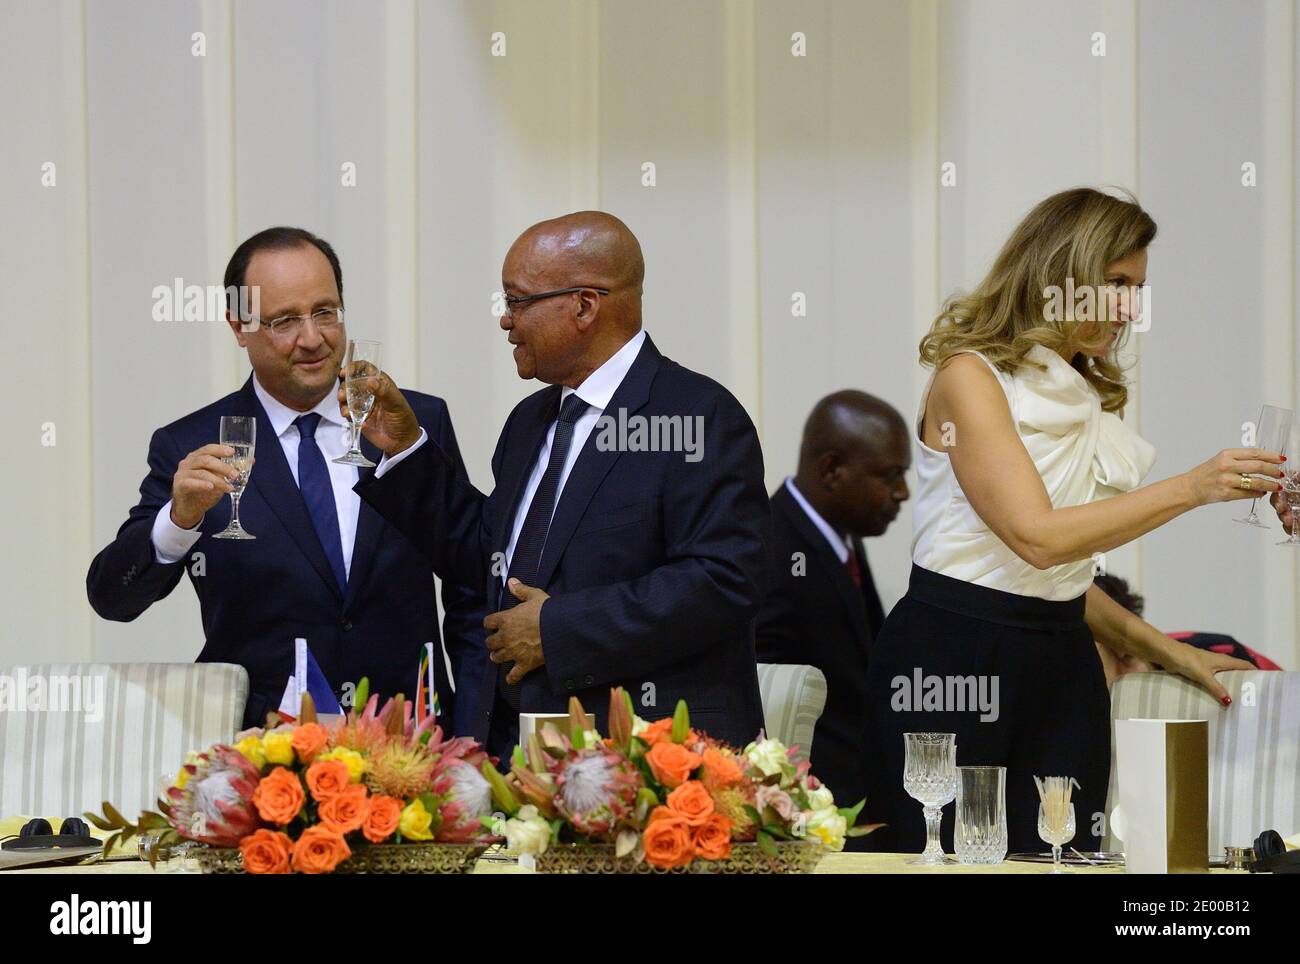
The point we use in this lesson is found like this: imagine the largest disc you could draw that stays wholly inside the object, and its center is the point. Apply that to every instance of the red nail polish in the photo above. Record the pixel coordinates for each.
(1284, 458)
(1226, 701)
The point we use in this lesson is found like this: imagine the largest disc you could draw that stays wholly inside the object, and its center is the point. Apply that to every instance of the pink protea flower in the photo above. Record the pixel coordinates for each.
(467, 796)
(216, 804)
(596, 789)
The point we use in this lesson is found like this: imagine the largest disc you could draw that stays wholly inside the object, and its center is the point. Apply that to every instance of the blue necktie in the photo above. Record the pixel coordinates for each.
(526, 562)
(318, 493)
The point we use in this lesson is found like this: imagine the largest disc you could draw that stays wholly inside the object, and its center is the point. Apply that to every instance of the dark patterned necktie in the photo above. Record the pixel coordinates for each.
(526, 562)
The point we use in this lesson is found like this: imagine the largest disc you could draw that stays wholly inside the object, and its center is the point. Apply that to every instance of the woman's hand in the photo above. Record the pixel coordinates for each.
(1220, 479)
(1200, 665)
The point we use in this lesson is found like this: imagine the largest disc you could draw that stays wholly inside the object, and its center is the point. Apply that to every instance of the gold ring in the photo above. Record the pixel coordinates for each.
(1245, 481)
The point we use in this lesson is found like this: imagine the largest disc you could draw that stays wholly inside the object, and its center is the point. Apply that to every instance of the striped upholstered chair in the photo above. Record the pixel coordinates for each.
(793, 699)
(109, 731)
(1254, 747)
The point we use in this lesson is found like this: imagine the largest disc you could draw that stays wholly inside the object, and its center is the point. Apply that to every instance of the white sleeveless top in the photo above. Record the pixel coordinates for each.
(1082, 453)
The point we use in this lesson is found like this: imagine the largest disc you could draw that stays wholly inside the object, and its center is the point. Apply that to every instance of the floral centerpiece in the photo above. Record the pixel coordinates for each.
(663, 796)
(313, 797)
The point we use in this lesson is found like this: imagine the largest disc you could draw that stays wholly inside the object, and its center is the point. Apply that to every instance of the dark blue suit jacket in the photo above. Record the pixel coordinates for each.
(655, 565)
(256, 597)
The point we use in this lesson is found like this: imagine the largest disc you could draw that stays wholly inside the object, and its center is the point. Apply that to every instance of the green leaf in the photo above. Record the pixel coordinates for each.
(112, 814)
(98, 821)
(518, 758)
(766, 844)
(753, 814)
(850, 814)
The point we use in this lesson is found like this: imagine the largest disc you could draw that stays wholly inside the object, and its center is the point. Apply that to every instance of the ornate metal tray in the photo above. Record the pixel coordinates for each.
(745, 858)
(409, 858)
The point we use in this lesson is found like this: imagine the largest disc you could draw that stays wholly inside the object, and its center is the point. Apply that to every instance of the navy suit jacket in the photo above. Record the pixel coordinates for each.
(655, 565)
(815, 614)
(257, 597)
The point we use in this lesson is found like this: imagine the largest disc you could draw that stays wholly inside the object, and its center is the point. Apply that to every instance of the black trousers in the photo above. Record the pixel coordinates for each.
(1045, 709)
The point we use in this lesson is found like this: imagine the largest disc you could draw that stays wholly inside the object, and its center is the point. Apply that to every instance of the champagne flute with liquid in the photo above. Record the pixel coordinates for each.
(240, 433)
(360, 364)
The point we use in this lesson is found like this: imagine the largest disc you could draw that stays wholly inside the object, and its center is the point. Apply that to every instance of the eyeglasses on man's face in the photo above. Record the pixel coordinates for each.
(324, 319)
(513, 302)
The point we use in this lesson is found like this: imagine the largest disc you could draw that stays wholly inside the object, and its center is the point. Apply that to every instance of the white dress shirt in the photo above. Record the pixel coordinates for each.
(839, 543)
(596, 391)
(171, 542)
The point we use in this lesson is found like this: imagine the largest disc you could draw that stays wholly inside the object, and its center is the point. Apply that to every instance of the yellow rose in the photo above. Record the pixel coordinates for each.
(415, 822)
(182, 778)
(353, 760)
(278, 748)
(251, 747)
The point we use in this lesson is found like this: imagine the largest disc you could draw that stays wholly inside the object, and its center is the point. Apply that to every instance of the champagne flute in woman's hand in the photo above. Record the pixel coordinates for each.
(1291, 483)
(1271, 435)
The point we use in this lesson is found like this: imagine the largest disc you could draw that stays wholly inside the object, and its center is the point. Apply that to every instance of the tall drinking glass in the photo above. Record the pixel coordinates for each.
(980, 836)
(360, 364)
(930, 776)
(1271, 435)
(240, 433)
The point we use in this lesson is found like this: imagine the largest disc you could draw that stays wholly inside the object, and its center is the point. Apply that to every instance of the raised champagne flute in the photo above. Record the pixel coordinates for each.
(1271, 434)
(930, 777)
(1291, 483)
(359, 366)
(240, 433)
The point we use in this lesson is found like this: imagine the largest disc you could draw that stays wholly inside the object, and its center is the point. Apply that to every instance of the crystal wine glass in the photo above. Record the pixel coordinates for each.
(1271, 435)
(240, 433)
(361, 364)
(1056, 827)
(930, 776)
(1291, 483)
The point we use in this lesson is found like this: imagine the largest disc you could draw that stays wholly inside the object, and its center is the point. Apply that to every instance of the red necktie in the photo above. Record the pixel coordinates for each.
(855, 571)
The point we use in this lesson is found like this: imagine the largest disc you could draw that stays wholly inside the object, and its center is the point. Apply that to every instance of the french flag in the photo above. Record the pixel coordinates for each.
(307, 678)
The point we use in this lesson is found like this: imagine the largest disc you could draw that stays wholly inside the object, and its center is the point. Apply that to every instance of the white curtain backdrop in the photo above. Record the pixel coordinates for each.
(176, 128)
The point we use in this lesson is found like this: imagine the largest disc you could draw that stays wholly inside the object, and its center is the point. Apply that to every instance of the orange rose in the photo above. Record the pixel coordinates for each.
(319, 850)
(691, 802)
(720, 769)
(382, 815)
(671, 763)
(667, 841)
(326, 778)
(266, 852)
(661, 731)
(279, 797)
(712, 838)
(308, 740)
(346, 810)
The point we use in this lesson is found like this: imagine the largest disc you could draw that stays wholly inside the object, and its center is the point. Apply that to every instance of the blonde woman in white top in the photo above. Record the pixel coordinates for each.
(1025, 470)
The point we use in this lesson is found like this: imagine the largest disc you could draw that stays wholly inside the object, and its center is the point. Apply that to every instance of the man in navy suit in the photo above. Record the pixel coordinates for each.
(624, 542)
(324, 566)
(822, 608)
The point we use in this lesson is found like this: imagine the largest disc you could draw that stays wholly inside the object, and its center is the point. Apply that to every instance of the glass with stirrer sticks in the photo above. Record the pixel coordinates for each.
(360, 365)
(1270, 435)
(240, 433)
(1056, 814)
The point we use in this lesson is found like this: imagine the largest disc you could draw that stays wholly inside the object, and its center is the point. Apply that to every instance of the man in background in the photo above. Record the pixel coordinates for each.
(822, 608)
(323, 566)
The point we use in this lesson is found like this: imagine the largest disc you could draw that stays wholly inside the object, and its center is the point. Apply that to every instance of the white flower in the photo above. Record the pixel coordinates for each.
(527, 832)
(638, 725)
(768, 756)
(820, 798)
(828, 826)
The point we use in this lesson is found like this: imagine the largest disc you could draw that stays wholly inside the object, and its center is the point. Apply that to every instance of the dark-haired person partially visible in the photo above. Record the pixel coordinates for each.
(1024, 471)
(324, 566)
(1121, 664)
